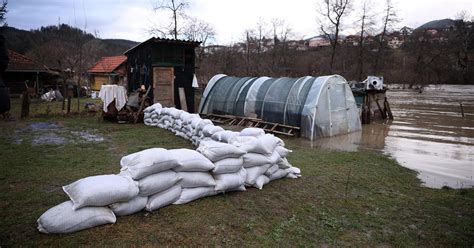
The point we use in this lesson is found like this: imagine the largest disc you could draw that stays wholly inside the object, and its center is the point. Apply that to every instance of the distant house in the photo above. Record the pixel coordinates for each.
(108, 70)
(23, 69)
(406, 31)
(352, 40)
(318, 41)
(394, 42)
(212, 49)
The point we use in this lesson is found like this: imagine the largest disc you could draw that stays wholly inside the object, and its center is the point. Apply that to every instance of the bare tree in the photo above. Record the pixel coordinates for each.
(199, 30)
(281, 33)
(3, 12)
(366, 24)
(177, 8)
(332, 13)
(463, 41)
(390, 17)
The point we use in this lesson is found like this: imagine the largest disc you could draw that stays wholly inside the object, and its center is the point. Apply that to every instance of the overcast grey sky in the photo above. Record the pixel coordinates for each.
(132, 19)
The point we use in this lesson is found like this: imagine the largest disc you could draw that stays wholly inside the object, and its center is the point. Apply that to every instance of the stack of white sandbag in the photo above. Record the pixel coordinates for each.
(228, 173)
(88, 205)
(265, 158)
(157, 181)
(194, 171)
(181, 123)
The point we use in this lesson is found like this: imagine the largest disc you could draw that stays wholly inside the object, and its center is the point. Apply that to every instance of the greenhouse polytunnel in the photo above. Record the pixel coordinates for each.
(320, 106)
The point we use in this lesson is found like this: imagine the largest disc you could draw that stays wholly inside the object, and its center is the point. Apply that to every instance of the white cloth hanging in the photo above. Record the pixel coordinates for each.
(195, 82)
(110, 92)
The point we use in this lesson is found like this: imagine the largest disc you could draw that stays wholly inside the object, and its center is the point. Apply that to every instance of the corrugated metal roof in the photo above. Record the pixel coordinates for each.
(164, 40)
(107, 64)
(19, 62)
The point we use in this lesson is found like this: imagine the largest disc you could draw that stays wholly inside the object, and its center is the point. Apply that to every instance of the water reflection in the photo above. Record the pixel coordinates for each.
(428, 135)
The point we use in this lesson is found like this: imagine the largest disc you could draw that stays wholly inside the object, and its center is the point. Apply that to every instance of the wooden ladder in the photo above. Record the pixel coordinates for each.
(269, 127)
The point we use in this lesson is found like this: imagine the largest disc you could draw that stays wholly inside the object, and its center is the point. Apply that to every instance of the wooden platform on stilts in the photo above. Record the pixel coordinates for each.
(269, 127)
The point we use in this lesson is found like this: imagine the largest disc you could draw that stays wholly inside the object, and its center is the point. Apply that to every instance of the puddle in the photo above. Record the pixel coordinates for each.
(48, 139)
(46, 133)
(428, 135)
(85, 135)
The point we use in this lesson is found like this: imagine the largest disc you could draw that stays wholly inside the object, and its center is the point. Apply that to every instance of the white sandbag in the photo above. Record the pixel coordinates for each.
(209, 130)
(292, 176)
(228, 165)
(156, 106)
(230, 180)
(271, 170)
(163, 198)
(101, 190)
(252, 131)
(196, 179)
(274, 157)
(294, 170)
(129, 207)
(278, 174)
(261, 180)
(194, 122)
(191, 160)
(147, 162)
(178, 123)
(175, 113)
(166, 119)
(264, 144)
(157, 111)
(282, 151)
(203, 123)
(189, 118)
(184, 116)
(255, 159)
(254, 172)
(191, 194)
(157, 182)
(224, 136)
(283, 163)
(240, 188)
(63, 219)
(216, 151)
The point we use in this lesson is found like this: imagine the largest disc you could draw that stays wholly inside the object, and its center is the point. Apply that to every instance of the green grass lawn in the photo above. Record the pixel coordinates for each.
(382, 206)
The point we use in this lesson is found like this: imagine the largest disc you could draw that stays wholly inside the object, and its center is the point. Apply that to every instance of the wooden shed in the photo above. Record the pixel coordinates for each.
(108, 70)
(23, 69)
(166, 65)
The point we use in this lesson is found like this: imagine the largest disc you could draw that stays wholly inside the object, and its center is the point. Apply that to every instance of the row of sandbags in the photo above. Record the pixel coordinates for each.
(154, 178)
(265, 155)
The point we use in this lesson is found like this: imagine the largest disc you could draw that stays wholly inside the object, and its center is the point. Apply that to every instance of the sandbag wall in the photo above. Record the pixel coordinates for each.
(153, 178)
(263, 157)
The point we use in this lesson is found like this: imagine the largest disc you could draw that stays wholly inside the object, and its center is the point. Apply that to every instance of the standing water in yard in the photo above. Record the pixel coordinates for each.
(428, 135)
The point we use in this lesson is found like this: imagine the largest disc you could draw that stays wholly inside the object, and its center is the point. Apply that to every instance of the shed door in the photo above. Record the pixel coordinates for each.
(163, 85)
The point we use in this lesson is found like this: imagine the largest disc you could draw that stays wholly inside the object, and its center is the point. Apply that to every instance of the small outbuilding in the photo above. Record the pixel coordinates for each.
(168, 67)
(108, 70)
(320, 106)
(23, 69)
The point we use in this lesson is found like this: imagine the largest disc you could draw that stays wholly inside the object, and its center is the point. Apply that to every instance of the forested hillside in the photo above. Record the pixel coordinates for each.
(62, 46)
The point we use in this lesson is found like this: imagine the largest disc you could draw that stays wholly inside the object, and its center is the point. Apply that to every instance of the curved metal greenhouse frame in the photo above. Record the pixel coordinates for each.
(320, 106)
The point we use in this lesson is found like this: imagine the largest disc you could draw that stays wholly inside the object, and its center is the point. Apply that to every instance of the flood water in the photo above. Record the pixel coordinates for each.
(428, 135)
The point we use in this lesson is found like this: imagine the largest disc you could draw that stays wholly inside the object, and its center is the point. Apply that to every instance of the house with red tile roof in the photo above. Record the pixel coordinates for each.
(23, 69)
(108, 70)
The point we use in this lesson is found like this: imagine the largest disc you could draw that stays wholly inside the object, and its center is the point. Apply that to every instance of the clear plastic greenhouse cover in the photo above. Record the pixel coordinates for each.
(320, 106)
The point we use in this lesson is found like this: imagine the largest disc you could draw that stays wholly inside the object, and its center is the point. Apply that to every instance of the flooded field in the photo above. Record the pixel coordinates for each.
(428, 135)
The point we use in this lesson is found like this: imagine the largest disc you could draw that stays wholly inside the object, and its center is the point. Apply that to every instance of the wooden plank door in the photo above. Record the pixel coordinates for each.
(163, 85)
